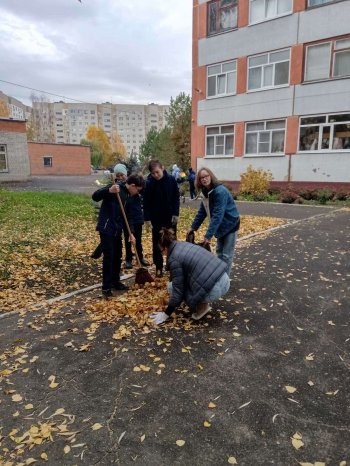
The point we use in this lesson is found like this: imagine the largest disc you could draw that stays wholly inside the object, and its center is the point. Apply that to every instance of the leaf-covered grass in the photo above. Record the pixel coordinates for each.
(46, 240)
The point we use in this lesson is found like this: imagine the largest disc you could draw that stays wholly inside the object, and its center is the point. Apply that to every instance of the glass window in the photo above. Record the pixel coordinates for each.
(318, 61)
(222, 16)
(262, 10)
(324, 133)
(320, 56)
(221, 79)
(3, 158)
(269, 70)
(319, 2)
(220, 140)
(265, 137)
(47, 161)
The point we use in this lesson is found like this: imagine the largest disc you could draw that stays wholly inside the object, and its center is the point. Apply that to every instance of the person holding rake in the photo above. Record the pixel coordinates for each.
(110, 227)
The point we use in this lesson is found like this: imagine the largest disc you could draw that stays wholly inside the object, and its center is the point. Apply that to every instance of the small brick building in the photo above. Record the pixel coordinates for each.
(14, 161)
(59, 159)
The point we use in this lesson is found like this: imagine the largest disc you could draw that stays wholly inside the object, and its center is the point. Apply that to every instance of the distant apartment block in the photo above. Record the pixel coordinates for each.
(271, 88)
(68, 123)
(17, 110)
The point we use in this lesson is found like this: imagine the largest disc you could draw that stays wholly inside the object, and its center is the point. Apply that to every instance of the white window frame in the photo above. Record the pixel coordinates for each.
(4, 154)
(264, 130)
(226, 73)
(332, 54)
(322, 125)
(268, 18)
(215, 143)
(47, 157)
(263, 88)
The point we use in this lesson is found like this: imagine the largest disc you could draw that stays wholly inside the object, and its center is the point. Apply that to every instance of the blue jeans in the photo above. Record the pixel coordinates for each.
(225, 249)
(219, 289)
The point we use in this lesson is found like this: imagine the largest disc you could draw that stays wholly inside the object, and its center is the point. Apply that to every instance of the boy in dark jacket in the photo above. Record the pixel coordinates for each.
(134, 214)
(161, 206)
(110, 227)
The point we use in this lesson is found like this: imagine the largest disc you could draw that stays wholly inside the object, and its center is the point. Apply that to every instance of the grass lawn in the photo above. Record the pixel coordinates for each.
(46, 240)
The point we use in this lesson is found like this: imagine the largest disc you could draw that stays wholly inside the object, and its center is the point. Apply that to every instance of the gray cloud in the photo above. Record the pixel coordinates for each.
(134, 52)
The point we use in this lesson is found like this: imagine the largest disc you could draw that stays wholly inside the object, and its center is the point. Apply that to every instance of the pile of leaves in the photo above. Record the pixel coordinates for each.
(46, 240)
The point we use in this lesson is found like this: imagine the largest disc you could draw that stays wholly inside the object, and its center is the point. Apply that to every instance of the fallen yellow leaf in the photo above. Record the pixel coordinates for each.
(142, 437)
(232, 460)
(290, 389)
(296, 441)
(29, 406)
(66, 449)
(96, 426)
(211, 405)
(16, 398)
(206, 424)
(180, 443)
(44, 456)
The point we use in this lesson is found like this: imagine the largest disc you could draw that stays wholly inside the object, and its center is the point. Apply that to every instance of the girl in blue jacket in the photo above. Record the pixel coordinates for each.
(220, 208)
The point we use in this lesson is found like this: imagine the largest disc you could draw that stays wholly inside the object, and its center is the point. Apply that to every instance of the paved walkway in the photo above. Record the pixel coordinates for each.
(271, 362)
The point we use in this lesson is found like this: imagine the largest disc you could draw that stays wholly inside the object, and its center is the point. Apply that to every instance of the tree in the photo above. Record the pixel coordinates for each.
(4, 110)
(118, 149)
(133, 164)
(95, 151)
(179, 122)
(149, 147)
(98, 140)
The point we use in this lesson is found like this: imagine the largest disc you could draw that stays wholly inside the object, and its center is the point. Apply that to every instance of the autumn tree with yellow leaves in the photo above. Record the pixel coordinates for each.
(118, 149)
(101, 151)
(4, 110)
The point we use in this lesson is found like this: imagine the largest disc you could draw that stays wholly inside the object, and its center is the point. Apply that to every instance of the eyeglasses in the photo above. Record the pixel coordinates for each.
(204, 177)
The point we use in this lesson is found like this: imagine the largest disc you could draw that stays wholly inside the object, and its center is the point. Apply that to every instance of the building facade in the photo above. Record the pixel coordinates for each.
(16, 109)
(14, 161)
(271, 88)
(59, 159)
(67, 123)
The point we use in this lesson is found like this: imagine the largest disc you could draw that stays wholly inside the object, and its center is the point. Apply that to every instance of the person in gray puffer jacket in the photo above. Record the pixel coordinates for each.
(197, 277)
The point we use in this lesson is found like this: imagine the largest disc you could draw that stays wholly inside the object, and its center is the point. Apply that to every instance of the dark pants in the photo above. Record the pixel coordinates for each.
(138, 238)
(112, 259)
(192, 189)
(157, 253)
(127, 243)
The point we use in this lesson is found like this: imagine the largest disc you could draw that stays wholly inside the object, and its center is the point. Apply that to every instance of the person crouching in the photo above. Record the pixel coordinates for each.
(197, 277)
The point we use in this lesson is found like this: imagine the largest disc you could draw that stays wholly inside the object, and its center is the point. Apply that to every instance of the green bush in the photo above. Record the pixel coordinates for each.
(341, 196)
(324, 195)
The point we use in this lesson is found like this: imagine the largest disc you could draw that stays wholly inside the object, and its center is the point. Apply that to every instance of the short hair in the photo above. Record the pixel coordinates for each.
(214, 180)
(154, 163)
(166, 237)
(137, 180)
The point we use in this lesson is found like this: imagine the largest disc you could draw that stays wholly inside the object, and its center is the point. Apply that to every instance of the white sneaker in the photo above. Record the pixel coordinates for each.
(201, 310)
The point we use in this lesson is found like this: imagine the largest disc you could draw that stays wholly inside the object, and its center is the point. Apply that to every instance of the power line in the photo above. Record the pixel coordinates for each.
(44, 92)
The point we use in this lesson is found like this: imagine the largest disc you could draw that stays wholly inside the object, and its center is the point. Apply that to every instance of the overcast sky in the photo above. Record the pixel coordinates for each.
(124, 51)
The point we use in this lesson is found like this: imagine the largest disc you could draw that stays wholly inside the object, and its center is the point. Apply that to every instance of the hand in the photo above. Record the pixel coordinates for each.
(159, 317)
(174, 219)
(148, 226)
(189, 231)
(132, 239)
(114, 189)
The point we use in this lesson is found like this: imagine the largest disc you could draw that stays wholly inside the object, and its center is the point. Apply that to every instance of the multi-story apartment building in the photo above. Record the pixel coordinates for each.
(17, 110)
(271, 88)
(68, 122)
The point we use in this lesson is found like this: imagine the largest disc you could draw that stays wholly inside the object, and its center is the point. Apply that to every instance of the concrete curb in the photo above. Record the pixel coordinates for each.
(64, 296)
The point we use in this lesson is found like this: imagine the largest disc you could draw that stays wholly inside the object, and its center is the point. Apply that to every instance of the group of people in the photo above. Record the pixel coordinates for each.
(197, 277)
(180, 177)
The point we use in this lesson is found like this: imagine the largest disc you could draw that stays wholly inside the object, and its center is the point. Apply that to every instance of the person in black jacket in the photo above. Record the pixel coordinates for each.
(134, 214)
(161, 206)
(110, 227)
